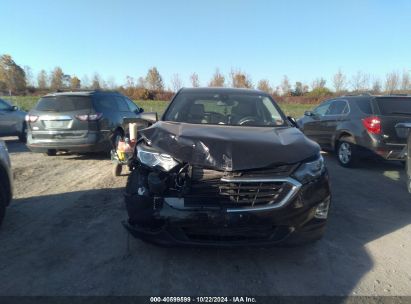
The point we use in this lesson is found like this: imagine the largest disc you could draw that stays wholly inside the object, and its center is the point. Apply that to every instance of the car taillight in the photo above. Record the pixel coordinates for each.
(31, 118)
(89, 117)
(372, 124)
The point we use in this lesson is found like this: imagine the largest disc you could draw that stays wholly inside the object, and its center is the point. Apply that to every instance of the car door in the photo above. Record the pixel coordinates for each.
(312, 124)
(6, 120)
(124, 111)
(329, 122)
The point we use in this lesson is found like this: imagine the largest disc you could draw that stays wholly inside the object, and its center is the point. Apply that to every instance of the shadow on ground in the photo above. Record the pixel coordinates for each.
(14, 145)
(73, 244)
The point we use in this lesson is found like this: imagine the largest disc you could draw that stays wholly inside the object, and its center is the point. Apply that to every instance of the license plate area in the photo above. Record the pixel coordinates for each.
(57, 124)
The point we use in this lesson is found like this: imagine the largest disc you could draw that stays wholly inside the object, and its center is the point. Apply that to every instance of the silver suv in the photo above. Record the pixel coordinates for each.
(6, 180)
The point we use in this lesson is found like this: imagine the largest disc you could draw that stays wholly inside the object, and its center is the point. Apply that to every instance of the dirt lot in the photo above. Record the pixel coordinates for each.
(62, 236)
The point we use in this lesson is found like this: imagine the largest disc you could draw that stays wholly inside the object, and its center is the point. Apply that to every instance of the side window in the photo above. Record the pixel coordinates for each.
(105, 104)
(322, 109)
(133, 107)
(364, 105)
(122, 104)
(338, 107)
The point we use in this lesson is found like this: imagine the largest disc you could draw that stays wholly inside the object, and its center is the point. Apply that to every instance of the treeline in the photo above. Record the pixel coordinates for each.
(18, 80)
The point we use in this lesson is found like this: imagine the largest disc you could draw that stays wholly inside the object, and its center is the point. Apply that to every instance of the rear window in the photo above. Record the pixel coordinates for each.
(64, 103)
(394, 105)
(364, 105)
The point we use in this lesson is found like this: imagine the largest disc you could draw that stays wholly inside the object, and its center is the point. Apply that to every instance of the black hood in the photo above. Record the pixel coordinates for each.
(230, 148)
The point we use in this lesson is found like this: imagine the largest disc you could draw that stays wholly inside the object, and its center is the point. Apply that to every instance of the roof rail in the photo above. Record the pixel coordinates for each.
(399, 94)
(359, 94)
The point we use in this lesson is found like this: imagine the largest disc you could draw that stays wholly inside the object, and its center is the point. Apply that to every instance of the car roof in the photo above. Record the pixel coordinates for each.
(81, 93)
(366, 95)
(220, 90)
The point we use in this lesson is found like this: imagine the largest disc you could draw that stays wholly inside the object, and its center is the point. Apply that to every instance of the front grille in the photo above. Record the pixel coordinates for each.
(213, 190)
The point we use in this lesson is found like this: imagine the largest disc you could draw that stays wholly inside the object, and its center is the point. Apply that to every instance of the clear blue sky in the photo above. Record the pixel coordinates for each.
(265, 38)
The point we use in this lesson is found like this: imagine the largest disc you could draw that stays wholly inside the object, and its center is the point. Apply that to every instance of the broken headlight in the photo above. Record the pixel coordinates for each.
(310, 170)
(155, 159)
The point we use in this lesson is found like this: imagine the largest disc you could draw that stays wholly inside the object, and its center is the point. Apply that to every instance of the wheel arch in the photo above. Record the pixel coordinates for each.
(340, 134)
(4, 180)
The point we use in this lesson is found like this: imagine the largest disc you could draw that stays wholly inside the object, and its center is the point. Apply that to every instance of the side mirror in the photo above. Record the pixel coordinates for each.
(308, 113)
(150, 117)
(292, 121)
(141, 110)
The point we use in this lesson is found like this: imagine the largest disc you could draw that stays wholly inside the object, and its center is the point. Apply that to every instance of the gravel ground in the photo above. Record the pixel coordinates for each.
(63, 236)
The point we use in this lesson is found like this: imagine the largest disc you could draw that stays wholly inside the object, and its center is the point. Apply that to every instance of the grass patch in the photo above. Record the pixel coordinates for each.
(28, 102)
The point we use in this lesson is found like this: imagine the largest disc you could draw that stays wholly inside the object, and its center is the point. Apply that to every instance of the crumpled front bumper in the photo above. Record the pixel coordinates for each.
(176, 225)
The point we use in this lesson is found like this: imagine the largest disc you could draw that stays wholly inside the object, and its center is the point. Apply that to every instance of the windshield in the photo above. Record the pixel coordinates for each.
(63, 103)
(395, 105)
(225, 109)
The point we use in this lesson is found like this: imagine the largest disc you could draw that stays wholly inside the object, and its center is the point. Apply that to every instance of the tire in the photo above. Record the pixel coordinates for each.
(117, 169)
(23, 135)
(117, 135)
(139, 206)
(3, 203)
(347, 152)
(51, 152)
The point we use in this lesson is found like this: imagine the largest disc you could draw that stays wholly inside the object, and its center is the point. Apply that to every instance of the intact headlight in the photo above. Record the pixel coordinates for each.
(310, 170)
(155, 159)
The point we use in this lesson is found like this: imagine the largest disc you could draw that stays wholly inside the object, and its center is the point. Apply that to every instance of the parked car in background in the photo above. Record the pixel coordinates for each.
(359, 126)
(6, 180)
(12, 121)
(86, 121)
(226, 167)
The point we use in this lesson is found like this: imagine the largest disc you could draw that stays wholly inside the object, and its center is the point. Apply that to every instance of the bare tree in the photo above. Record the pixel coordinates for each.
(339, 81)
(141, 82)
(29, 75)
(42, 81)
(264, 85)
(392, 81)
(318, 83)
(218, 79)
(176, 82)
(111, 83)
(96, 83)
(376, 86)
(285, 86)
(85, 82)
(240, 79)
(405, 81)
(129, 81)
(300, 89)
(360, 82)
(195, 83)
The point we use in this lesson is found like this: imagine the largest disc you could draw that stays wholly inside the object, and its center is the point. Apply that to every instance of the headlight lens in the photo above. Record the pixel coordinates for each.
(154, 159)
(311, 170)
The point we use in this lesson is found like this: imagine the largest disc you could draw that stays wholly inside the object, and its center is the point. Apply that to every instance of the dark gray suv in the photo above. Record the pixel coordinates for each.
(6, 180)
(87, 121)
(12, 121)
(359, 126)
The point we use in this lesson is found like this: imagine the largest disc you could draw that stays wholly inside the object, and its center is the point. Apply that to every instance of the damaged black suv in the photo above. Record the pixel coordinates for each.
(226, 167)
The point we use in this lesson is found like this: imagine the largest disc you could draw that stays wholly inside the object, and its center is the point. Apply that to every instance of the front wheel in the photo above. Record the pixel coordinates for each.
(346, 153)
